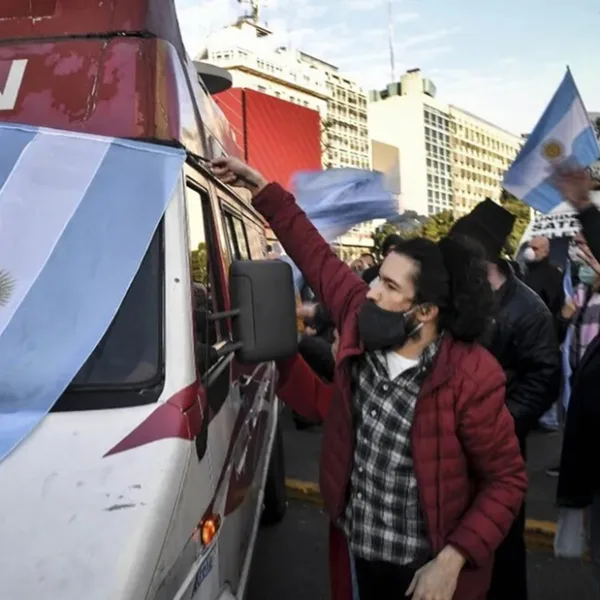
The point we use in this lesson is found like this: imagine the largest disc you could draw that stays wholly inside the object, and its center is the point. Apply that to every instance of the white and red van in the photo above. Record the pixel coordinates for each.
(148, 479)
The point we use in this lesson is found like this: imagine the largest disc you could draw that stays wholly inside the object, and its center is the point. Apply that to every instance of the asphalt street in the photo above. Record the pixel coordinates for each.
(291, 563)
(291, 558)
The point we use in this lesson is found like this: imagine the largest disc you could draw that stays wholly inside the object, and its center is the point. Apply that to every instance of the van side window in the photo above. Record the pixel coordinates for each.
(257, 242)
(237, 237)
(204, 291)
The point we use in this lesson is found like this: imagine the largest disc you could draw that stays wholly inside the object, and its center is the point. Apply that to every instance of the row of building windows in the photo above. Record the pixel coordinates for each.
(434, 151)
(437, 136)
(438, 166)
(467, 150)
(482, 138)
(468, 176)
(443, 196)
(480, 165)
(289, 97)
(439, 181)
(474, 190)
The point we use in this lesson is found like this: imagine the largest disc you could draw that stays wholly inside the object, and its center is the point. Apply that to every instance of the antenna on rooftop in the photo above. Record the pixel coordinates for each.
(391, 42)
(254, 13)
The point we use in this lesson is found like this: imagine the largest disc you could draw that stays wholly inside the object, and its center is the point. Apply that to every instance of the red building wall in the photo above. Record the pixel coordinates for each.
(276, 137)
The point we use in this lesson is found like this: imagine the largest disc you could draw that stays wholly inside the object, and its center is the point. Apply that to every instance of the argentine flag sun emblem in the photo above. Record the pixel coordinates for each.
(553, 151)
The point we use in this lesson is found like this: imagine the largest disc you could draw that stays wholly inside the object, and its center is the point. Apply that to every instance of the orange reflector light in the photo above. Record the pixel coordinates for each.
(208, 528)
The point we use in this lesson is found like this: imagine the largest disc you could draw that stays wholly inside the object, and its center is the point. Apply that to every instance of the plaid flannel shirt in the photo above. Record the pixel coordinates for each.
(383, 518)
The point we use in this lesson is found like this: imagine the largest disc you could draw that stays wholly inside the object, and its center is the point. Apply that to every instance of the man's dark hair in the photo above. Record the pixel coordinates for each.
(391, 241)
(452, 275)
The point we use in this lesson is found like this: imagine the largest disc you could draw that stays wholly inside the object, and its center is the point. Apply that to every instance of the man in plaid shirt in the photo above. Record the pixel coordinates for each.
(383, 519)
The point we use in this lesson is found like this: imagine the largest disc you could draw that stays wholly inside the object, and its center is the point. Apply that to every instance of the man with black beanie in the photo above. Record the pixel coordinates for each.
(523, 340)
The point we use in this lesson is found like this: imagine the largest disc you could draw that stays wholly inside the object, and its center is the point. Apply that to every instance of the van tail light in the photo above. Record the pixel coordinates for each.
(207, 529)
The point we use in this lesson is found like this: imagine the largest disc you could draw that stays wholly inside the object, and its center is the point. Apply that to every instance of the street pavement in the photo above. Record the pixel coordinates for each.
(291, 558)
(291, 563)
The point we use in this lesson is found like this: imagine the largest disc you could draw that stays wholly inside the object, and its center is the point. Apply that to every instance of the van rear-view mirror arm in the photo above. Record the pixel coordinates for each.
(230, 346)
(227, 314)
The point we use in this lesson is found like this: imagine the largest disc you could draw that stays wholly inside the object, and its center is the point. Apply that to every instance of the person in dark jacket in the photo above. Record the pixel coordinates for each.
(544, 278)
(420, 470)
(390, 242)
(579, 476)
(523, 340)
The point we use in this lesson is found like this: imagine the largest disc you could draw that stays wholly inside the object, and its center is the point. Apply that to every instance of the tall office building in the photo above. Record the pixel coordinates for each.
(250, 53)
(449, 159)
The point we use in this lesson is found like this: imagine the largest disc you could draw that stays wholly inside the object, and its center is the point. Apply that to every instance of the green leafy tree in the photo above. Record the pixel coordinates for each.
(438, 226)
(200, 264)
(597, 127)
(522, 212)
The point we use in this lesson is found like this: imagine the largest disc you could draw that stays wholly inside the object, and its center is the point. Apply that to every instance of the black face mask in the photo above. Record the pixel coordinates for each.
(381, 329)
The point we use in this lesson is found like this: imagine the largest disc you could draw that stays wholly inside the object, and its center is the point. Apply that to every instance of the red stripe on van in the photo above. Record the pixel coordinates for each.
(179, 417)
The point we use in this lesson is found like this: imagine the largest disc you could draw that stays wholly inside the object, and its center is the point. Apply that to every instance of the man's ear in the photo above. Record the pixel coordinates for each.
(426, 313)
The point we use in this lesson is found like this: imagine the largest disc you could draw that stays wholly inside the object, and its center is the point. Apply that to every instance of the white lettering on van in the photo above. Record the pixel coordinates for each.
(10, 93)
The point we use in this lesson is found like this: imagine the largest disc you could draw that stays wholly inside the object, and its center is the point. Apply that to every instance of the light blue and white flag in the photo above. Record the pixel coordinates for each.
(568, 282)
(335, 200)
(77, 214)
(564, 135)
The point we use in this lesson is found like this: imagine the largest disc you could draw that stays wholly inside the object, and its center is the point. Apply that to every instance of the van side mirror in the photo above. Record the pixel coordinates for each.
(262, 294)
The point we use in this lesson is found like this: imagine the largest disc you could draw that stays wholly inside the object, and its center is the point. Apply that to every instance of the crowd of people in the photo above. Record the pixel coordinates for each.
(428, 370)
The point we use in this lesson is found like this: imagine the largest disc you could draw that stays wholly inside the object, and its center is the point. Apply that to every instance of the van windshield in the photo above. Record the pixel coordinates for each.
(130, 353)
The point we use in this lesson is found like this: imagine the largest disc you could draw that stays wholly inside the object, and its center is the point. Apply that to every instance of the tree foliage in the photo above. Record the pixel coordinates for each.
(522, 212)
(200, 264)
(597, 127)
(438, 226)
(412, 225)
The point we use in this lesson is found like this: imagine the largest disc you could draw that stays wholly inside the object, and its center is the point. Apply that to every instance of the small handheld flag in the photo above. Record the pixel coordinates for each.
(563, 136)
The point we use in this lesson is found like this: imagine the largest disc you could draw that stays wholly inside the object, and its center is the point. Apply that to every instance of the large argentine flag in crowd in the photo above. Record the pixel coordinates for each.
(563, 136)
(77, 214)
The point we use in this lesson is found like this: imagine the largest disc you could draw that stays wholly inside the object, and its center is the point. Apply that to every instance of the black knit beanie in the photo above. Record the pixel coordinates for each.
(489, 224)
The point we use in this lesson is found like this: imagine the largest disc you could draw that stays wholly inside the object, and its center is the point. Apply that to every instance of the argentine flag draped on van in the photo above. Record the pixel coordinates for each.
(77, 213)
(563, 136)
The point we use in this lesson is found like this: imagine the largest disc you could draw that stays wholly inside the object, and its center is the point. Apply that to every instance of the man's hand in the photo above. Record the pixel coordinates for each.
(306, 311)
(233, 171)
(575, 185)
(437, 579)
(336, 344)
(568, 310)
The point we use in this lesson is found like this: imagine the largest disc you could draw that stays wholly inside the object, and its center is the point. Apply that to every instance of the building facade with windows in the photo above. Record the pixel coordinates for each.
(449, 159)
(247, 52)
(250, 53)
(481, 154)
